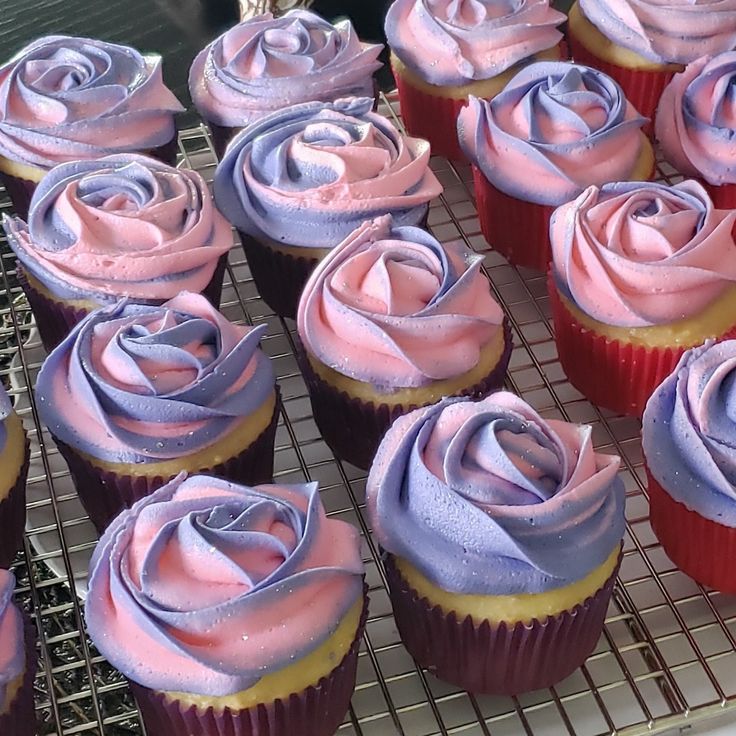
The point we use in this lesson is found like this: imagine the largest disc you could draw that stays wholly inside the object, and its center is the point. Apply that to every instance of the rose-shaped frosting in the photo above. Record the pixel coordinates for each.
(310, 174)
(394, 307)
(637, 254)
(123, 225)
(556, 128)
(487, 498)
(12, 646)
(206, 586)
(454, 42)
(65, 98)
(666, 31)
(134, 383)
(689, 432)
(696, 119)
(267, 63)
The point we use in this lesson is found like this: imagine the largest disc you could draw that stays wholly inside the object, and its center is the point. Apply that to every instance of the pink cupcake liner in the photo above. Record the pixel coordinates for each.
(20, 720)
(503, 659)
(13, 516)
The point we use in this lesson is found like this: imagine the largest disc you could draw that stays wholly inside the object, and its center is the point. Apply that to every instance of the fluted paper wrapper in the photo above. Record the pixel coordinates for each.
(13, 515)
(221, 136)
(20, 720)
(723, 196)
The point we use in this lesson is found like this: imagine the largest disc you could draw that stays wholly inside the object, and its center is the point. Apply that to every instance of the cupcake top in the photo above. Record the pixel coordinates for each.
(12, 642)
(140, 384)
(393, 307)
(310, 174)
(455, 42)
(124, 225)
(556, 128)
(696, 119)
(638, 254)
(488, 498)
(688, 432)
(266, 63)
(64, 98)
(206, 587)
(666, 31)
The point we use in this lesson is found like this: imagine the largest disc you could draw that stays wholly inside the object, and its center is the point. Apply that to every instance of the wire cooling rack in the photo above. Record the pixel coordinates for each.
(666, 661)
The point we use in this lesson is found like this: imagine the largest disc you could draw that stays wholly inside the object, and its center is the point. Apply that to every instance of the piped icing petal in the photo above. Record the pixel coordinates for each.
(123, 225)
(394, 307)
(488, 498)
(308, 175)
(12, 642)
(266, 63)
(136, 384)
(64, 98)
(638, 254)
(206, 586)
(688, 432)
(696, 119)
(556, 128)
(455, 42)
(666, 31)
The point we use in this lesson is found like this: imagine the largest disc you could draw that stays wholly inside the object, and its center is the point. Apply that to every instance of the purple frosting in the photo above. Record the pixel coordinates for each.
(12, 646)
(6, 409)
(489, 498)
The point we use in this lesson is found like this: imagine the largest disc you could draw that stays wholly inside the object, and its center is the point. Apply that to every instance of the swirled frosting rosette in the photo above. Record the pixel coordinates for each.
(12, 640)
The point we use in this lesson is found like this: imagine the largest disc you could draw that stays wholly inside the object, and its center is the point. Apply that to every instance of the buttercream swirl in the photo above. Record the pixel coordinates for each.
(666, 31)
(12, 643)
(488, 498)
(206, 586)
(394, 307)
(266, 63)
(455, 42)
(135, 384)
(556, 128)
(308, 175)
(688, 432)
(64, 98)
(637, 254)
(696, 119)
(123, 225)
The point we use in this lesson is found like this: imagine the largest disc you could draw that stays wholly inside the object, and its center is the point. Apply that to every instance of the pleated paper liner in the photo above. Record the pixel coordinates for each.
(496, 659)
(220, 136)
(13, 515)
(104, 493)
(20, 719)
(317, 711)
(700, 547)
(353, 428)
(723, 196)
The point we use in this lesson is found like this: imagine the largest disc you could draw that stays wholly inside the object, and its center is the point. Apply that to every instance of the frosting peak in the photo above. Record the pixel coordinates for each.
(12, 643)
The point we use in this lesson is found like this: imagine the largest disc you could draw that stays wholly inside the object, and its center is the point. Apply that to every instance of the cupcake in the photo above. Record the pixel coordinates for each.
(136, 394)
(696, 125)
(554, 130)
(640, 273)
(688, 441)
(264, 64)
(65, 99)
(301, 180)
(390, 320)
(14, 458)
(120, 226)
(443, 52)
(231, 610)
(643, 43)
(502, 538)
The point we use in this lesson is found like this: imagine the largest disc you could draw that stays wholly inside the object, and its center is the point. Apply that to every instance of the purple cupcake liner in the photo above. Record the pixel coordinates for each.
(220, 136)
(20, 720)
(166, 153)
(317, 711)
(353, 428)
(502, 659)
(104, 494)
(13, 516)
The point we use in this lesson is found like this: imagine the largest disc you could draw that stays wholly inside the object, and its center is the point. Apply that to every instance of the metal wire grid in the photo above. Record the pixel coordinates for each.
(667, 659)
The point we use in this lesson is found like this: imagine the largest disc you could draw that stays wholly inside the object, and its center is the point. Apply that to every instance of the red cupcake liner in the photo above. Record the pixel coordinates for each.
(701, 548)
(496, 659)
(13, 516)
(20, 719)
(104, 494)
(317, 711)
(724, 196)
(353, 429)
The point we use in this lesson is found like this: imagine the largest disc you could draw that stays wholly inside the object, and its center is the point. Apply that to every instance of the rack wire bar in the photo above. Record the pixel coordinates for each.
(666, 661)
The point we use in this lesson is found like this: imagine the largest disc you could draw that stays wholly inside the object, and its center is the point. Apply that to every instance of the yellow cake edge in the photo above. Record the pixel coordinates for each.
(13, 454)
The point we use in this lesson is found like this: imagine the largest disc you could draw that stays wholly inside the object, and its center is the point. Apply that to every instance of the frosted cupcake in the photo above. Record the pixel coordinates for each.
(64, 99)
(391, 320)
(136, 394)
(231, 609)
(300, 181)
(120, 226)
(640, 273)
(266, 63)
(555, 129)
(502, 536)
